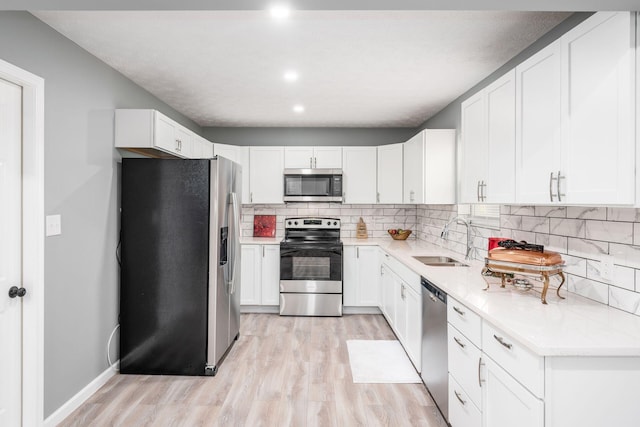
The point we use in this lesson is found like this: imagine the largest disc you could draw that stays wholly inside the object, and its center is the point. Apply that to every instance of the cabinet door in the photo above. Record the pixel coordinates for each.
(413, 172)
(265, 174)
(349, 276)
(231, 152)
(506, 403)
(270, 274)
(368, 289)
(389, 174)
(164, 136)
(388, 284)
(413, 338)
(250, 275)
(184, 140)
(207, 149)
(327, 157)
(359, 174)
(401, 290)
(598, 105)
(538, 134)
(501, 140)
(474, 148)
(298, 157)
(439, 185)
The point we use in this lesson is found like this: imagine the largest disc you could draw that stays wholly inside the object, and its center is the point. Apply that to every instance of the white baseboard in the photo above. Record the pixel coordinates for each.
(268, 309)
(361, 310)
(74, 403)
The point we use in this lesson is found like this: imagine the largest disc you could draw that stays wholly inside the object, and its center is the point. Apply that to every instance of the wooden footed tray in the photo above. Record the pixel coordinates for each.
(542, 271)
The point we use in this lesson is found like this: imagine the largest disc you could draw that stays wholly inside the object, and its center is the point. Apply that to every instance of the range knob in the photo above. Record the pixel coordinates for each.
(328, 222)
(289, 223)
(295, 223)
(335, 222)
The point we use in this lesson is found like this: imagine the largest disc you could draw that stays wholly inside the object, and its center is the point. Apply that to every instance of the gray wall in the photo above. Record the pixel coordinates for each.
(307, 136)
(81, 184)
(449, 117)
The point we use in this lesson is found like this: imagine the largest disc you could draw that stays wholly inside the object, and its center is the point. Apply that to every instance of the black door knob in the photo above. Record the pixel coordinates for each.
(14, 291)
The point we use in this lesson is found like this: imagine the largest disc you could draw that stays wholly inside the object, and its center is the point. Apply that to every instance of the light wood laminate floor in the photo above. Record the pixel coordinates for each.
(283, 371)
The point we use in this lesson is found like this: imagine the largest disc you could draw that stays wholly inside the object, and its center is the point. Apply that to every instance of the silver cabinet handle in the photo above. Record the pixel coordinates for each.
(551, 179)
(478, 192)
(479, 368)
(464, 402)
(457, 310)
(483, 186)
(560, 195)
(381, 271)
(344, 196)
(402, 291)
(262, 251)
(315, 162)
(178, 145)
(460, 343)
(310, 162)
(411, 195)
(503, 342)
(357, 252)
(378, 197)
(251, 197)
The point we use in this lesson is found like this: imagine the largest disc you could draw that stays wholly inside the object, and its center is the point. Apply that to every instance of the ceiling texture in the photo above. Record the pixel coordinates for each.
(356, 68)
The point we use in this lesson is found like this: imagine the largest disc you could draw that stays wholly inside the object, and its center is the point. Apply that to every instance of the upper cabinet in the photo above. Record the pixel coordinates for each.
(151, 133)
(313, 157)
(598, 60)
(389, 174)
(488, 144)
(359, 174)
(575, 116)
(429, 167)
(266, 165)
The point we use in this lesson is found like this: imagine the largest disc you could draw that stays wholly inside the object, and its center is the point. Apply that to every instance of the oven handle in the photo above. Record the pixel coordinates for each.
(310, 247)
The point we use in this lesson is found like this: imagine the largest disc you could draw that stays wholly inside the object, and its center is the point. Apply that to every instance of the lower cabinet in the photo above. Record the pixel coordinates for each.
(402, 306)
(505, 402)
(463, 412)
(260, 275)
(361, 278)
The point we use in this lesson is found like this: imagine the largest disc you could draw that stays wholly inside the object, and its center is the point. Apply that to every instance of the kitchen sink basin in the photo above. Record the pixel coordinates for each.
(440, 261)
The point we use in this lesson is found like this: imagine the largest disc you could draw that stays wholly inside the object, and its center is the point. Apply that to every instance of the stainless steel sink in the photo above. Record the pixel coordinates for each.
(440, 261)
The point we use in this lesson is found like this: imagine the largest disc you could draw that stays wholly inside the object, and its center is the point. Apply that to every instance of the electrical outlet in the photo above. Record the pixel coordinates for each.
(53, 225)
(606, 267)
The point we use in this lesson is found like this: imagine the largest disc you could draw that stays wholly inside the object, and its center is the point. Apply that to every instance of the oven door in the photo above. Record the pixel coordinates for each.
(311, 268)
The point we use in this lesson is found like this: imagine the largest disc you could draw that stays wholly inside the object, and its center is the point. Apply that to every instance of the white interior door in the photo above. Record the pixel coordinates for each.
(10, 254)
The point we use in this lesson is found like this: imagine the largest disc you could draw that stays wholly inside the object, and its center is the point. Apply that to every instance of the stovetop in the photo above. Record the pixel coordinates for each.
(311, 229)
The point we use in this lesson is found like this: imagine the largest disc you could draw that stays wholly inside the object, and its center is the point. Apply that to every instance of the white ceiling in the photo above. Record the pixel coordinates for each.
(356, 68)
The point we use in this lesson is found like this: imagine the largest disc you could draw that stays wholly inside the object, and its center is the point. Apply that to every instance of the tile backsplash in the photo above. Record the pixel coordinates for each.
(379, 218)
(592, 241)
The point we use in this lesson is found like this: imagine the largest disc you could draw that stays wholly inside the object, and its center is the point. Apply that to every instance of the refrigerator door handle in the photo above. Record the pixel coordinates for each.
(236, 242)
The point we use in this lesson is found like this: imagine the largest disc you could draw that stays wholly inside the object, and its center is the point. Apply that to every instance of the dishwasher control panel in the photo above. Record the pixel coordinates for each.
(434, 290)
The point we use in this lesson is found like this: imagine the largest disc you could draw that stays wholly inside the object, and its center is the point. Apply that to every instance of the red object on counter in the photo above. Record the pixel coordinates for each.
(264, 226)
(493, 241)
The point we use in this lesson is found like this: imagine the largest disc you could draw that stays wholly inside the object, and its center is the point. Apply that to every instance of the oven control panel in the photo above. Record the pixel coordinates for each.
(316, 223)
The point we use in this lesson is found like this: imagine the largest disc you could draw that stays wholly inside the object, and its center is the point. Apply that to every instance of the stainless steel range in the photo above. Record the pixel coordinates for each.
(311, 267)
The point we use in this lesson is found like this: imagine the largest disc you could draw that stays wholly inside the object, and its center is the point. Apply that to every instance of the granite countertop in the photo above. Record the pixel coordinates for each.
(575, 326)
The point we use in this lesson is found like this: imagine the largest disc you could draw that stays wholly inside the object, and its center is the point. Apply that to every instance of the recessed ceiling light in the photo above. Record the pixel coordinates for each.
(291, 76)
(280, 11)
(298, 108)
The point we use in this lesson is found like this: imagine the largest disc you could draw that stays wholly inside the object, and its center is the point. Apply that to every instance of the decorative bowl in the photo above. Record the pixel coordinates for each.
(399, 236)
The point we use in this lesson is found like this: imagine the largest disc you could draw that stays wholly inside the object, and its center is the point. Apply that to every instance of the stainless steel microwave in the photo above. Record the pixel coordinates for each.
(313, 185)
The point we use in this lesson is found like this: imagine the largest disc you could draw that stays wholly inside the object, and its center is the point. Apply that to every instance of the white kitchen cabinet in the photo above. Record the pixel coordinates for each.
(505, 402)
(151, 133)
(462, 411)
(429, 167)
(361, 279)
(251, 275)
(260, 275)
(598, 82)
(488, 144)
(266, 165)
(240, 155)
(575, 116)
(201, 148)
(538, 114)
(389, 174)
(312, 157)
(359, 174)
(388, 294)
(402, 306)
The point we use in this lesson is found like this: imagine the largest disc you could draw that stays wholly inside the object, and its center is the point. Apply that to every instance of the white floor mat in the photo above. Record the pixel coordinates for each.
(380, 361)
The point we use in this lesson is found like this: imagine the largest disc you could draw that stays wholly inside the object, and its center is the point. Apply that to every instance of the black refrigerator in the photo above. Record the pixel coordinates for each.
(180, 265)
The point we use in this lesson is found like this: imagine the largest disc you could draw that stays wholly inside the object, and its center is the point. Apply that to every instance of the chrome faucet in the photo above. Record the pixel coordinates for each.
(458, 220)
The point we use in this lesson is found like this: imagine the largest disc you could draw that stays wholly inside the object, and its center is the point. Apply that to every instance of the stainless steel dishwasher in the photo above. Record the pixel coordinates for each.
(434, 345)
